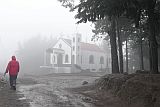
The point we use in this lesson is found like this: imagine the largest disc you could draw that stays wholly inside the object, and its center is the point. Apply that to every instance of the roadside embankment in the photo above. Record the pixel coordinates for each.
(119, 90)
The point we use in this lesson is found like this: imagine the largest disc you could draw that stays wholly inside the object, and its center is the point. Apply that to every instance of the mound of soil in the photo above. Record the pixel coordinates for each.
(119, 90)
(141, 91)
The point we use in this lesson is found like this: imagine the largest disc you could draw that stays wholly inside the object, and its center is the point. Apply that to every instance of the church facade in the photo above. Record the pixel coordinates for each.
(73, 55)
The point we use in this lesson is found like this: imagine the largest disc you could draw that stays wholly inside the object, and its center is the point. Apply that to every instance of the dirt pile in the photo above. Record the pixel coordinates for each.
(136, 90)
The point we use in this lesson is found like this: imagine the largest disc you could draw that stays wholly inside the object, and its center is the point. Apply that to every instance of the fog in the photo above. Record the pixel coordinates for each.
(21, 20)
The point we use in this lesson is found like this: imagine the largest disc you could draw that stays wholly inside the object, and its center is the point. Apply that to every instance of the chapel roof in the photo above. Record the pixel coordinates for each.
(86, 46)
(91, 47)
(68, 41)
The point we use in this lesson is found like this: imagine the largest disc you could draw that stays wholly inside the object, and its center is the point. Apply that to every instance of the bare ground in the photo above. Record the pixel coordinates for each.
(11, 98)
(53, 90)
(66, 90)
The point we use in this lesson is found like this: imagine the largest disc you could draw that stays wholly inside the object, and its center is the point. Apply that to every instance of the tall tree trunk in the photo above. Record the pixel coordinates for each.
(153, 46)
(114, 56)
(120, 47)
(141, 51)
(127, 55)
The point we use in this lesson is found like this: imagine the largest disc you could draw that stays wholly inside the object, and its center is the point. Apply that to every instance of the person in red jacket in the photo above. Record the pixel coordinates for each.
(13, 69)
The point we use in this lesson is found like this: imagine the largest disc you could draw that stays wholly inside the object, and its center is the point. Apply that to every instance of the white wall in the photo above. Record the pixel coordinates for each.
(85, 60)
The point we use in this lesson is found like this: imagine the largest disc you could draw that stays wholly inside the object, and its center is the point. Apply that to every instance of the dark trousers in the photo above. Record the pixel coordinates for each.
(12, 79)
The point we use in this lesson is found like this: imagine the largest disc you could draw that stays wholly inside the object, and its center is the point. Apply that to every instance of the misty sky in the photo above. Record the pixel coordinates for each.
(22, 19)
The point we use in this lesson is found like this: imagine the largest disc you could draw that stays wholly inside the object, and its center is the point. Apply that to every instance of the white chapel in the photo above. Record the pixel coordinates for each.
(73, 55)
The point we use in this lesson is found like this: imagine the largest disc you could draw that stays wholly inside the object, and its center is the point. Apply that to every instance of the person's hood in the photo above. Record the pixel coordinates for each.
(13, 58)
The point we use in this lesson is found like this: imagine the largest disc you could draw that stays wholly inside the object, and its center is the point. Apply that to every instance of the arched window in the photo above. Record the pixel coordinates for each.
(91, 59)
(66, 59)
(73, 59)
(101, 60)
(81, 59)
(78, 39)
(73, 39)
(73, 48)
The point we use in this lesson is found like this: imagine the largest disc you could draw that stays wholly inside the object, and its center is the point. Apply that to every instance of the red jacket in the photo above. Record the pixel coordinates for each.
(13, 67)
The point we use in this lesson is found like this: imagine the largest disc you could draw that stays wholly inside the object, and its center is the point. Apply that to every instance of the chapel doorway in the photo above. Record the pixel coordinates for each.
(59, 59)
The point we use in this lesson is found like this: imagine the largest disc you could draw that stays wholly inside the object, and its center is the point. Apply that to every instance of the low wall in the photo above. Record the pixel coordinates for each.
(62, 70)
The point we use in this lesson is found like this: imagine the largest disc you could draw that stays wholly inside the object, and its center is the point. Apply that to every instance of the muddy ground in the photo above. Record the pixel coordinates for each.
(51, 90)
(10, 98)
(82, 90)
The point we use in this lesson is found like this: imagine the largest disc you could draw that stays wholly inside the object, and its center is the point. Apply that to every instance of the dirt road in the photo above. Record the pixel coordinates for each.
(64, 90)
(50, 90)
